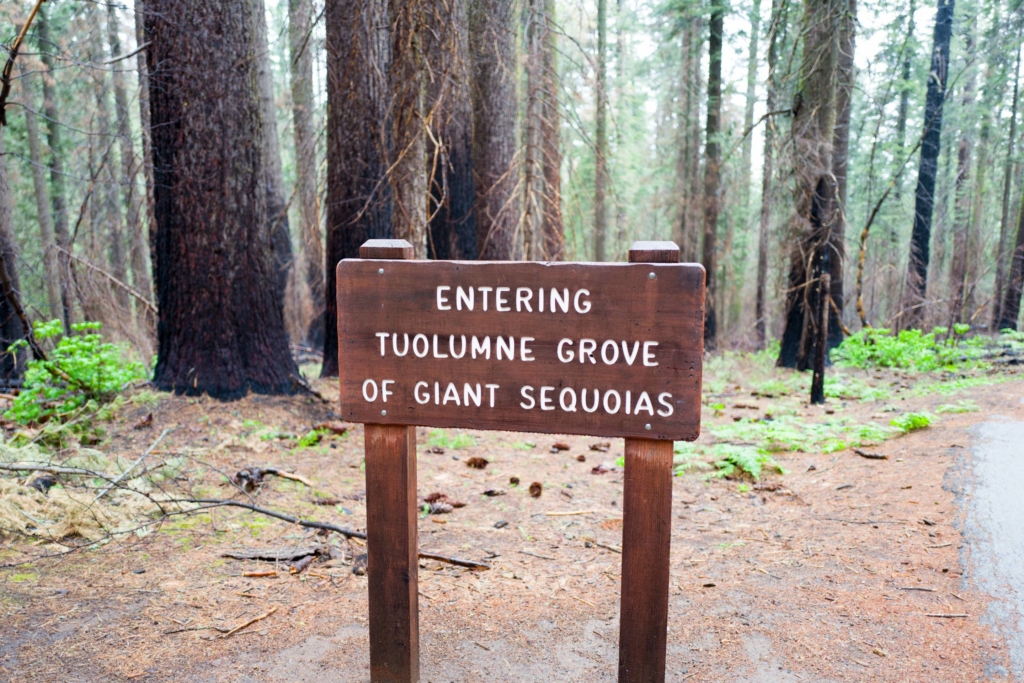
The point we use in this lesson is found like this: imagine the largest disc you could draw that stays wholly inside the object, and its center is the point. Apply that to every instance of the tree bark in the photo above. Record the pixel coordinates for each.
(924, 199)
(905, 91)
(300, 27)
(845, 77)
(45, 219)
(138, 254)
(533, 167)
(12, 364)
(492, 42)
(1004, 221)
(53, 140)
(601, 134)
(408, 169)
(958, 272)
(1015, 282)
(552, 226)
(277, 204)
(712, 172)
(147, 137)
(221, 322)
(775, 31)
(748, 109)
(814, 122)
(359, 200)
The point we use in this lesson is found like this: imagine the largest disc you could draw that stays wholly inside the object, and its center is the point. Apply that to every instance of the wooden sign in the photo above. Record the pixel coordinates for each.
(564, 348)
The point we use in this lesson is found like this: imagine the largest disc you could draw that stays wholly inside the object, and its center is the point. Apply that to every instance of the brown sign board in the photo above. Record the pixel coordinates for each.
(563, 348)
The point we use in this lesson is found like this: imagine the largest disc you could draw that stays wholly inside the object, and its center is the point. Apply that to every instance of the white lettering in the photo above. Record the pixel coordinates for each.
(383, 340)
(618, 401)
(426, 394)
(394, 345)
(525, 354)
(462, 297)
(482, 347)
(668, 405)
(545, 400)
(384, 393)
(527, 393)
(468, 393)
(643, 402)
(571, 408)
(583, 400)
(500, 301)
(451, 346)
(416, 345)
(437, 394)
(523, 297)
(562, 300)
(484, 291)
(585, 306)
(604, 352)
(570, 355)
(540, 299)
(649, 355)
(629, 401)
(442, 300)
(492, 387)
(451, 394)
(630, 357)
(436, 353)
(587, 348)
(509, 349)
(370, 399)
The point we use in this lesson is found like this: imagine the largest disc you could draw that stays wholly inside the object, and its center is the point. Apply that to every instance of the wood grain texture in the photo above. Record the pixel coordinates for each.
(386, 249)
(646, 538)
(392, 547)
(654, 252)
(628, 306)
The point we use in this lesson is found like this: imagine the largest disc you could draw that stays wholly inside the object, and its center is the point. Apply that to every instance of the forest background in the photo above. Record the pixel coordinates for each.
(774, 144)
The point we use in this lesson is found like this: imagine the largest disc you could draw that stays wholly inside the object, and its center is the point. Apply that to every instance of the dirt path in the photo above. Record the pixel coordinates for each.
(827, 573)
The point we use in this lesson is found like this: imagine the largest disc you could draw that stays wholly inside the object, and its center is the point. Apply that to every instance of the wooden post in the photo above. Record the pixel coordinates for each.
(646, 536)
(391, 531)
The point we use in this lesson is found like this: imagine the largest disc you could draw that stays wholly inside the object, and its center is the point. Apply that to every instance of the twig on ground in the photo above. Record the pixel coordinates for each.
(533, 554)
(135, 464)
(454, 560)
(916, 588)
(870, 456)
(248, 623)
(948, 616)
(569, 513)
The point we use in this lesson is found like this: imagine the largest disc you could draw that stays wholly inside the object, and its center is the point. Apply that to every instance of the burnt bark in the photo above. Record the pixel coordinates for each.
(12, 363)
(359, 199)
(712, 173)
(492, 42)
(924, 199)
(221, 322)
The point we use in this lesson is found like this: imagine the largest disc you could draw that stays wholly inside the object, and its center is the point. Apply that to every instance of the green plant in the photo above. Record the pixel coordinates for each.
(312, 438)
(82, 371)
(963, 406)
(910, 349)
(909, 422)
(440, 439)
(742, 460)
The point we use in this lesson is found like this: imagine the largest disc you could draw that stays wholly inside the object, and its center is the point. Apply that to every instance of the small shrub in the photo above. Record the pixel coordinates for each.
(742, 460)
(964, 406)
(82, 371)
(910, 349)
(910, 422)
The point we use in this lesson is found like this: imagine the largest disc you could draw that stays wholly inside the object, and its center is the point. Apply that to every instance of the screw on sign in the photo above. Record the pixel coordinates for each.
(609, 349)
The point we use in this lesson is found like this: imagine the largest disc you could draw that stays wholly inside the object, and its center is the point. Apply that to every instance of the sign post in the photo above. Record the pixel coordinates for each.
(609, 350)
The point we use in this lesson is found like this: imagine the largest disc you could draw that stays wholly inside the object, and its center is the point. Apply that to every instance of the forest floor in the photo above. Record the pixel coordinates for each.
(833, 571)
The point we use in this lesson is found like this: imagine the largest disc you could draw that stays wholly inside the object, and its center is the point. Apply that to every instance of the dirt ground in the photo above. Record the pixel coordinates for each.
(843, 569)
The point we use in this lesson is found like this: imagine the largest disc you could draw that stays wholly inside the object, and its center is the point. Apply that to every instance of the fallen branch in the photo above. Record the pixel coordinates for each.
(248, 623)
(870, 456)
(141, 298)
(131, 467)
(948, 616)
(454, 560)
(308, 524)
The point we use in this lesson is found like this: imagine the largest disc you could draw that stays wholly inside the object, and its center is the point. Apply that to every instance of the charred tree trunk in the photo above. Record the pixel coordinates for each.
(492, 49)
(273, 178)
(814, 122)
(57, 195)
(359, 199)
(845, 77)
(50, 266)
(12, 363)
(452, 216)
(924, 200)
(221, 323)
(1004, 222)
(712, 173)
(779, 18)
(552, 225)
(300, 27)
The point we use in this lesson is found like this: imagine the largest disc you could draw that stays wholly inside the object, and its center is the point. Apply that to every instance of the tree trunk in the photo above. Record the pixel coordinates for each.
(53, 139)
(712, 172)
(553, 227)
(492, 42)
(601, 134)
(50, 266)
(906, 89)
(533, 166)
(147, 137)
(408, 170)
(814, 122)
(453, 219)
(958, 283)
(277, 204)
(12, 364)
(137, 245)
(1004, 222)
(221, 322)
(924, 200)
(1015, 283)
(775, 31)
(300, 39)
(845, 77)
(748, 110)
(358, 143)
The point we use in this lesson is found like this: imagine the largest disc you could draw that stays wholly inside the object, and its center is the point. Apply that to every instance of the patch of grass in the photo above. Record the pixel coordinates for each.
(742, 460)
(912, 349)
(312, 438)
(963, 406)
(793, 433)
(23, 578)
(909, 422)
(771, 388)
(441, 439)
(147, 398)
(524, 445)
